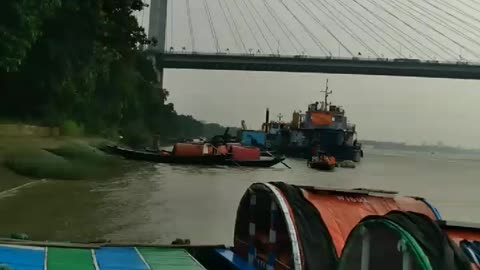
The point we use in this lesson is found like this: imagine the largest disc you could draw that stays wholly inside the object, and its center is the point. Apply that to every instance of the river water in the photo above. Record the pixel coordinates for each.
(159, 202)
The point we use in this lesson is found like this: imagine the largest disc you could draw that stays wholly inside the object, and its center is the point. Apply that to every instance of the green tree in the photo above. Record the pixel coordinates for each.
(21, 24)
(81, 62)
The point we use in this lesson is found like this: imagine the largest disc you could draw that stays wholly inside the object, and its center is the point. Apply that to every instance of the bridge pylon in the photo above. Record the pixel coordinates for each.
(157, 29)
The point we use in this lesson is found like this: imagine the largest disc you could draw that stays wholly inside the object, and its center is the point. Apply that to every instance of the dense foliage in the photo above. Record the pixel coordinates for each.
(80, 61)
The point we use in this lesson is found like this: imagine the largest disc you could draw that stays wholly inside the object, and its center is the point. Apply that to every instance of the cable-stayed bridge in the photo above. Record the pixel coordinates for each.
(421, 38)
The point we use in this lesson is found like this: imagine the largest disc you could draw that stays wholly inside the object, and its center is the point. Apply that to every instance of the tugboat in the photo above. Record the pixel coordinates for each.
(324, 125)
(322, 161)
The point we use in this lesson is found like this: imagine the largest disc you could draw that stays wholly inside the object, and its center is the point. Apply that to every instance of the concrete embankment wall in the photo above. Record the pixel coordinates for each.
(28, 130)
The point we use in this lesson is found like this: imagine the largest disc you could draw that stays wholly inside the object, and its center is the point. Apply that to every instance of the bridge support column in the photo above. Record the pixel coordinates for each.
(158, 23)
(157, 29)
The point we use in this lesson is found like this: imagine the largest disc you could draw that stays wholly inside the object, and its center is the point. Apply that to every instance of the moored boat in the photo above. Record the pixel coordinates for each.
(223, 158)
(322, 124)
(165, 156)
(322, 161)
(281, 226)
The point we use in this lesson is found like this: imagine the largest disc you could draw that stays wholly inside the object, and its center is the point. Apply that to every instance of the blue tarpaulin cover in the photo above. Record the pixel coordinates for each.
(114, 258)
(22, 258)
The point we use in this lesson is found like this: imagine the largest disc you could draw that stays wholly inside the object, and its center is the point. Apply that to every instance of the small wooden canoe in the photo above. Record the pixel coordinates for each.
(322, 162)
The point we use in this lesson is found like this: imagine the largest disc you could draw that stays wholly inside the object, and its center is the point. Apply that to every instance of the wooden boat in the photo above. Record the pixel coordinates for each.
(322, 162)
(286, 227)
(281, 226)
(209, 160)
(165, 156)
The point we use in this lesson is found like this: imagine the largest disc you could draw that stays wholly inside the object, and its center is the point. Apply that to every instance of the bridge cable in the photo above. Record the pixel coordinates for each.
(311, 34)
(459, 10)
(190, 24)
(248, 26)
(235, 25)
(435, 42)
(230, 27)
(212, 26)
(426, 13)
(450, 14)
(463, 27)
(171, 24)
(370, 30)
(284, 28)
(444, 20)
(345, 27)
(258, 25)
(469, 5)
(406, 37)
(473, 26)
(305, 28)
(369, 33)
(408, 13)
(264, 22)
(462, 12)
(399, 31)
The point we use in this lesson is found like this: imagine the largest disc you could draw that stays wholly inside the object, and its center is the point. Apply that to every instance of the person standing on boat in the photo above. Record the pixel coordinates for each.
(316, 151)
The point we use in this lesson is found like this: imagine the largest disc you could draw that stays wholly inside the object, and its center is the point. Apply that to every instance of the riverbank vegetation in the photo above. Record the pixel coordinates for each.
(60, 158)
(80, 65)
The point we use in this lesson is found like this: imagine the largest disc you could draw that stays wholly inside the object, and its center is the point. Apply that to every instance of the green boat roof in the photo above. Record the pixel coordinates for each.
(165, 258)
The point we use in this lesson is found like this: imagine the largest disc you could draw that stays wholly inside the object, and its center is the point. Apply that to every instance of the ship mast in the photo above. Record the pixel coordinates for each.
(280, 116)
(327, 93)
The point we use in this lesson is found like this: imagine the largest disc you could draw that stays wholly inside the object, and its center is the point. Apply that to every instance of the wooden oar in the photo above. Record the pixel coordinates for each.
(285, 164)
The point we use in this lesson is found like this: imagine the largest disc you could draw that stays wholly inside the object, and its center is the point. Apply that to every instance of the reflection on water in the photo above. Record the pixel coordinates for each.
(159, 202)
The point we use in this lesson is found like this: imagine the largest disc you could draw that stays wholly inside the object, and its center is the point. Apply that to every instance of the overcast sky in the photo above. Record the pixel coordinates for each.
(413, 110)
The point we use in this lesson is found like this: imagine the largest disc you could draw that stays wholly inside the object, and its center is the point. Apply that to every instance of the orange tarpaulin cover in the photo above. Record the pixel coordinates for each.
(342, 212)
(190, 150)
(241, 153)
(458, 235)
(321, 119)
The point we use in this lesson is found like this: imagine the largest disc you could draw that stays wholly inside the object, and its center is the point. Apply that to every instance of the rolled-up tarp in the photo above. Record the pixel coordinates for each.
(399, 241)
(281, 226)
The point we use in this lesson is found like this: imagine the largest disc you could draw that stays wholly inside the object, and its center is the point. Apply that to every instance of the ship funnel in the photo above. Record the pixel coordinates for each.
(267, 119)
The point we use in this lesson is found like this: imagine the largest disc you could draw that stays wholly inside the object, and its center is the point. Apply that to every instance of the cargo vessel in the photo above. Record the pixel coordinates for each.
(323, 126)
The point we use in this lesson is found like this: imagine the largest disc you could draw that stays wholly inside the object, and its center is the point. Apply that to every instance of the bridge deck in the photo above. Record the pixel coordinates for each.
(380, 66)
